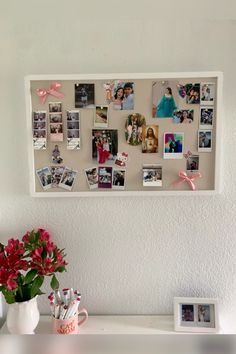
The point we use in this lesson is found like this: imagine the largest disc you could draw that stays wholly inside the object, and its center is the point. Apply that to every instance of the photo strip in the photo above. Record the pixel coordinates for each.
(206, 117)
(118, 179)
(73, 130)
(84, 95)
(45, 178)
(68, 179)
(173, 145)
(101, 117)
(92, 177)
(152, 176)
(150, 138)
(207, 93)
(55, 121)
(205, 140)
(39, 130)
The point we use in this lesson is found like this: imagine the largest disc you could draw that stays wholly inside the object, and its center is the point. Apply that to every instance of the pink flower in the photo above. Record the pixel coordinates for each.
(25, 238)
(50, 247)
(15, 246)
(44, 235)
(8, 278)
(11, 282)
(37, 252)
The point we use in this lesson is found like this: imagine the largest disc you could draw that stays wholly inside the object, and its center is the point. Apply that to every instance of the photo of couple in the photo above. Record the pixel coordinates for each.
(123, 96)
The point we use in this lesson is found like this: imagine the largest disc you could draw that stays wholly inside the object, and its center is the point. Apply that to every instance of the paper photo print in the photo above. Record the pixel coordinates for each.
(56, 132)
(57, 172)
(55, 117)
(39, 130)
(101, 117)
(206, 315)
(150, 138)
(55, 107)
(73, 130)
(205, 140)
(118, 179)
(45, 177)
(192, 163)
(164, 98)
(192, 93)
(173, 145)
(207, 93)
(123, 96)
(206, 117)
(84, 95)
(105, 177)
(183, 116)
(152, 176)
(104, 145)
(187, 313)
(68, 179)
(92, 177)
(134, 128)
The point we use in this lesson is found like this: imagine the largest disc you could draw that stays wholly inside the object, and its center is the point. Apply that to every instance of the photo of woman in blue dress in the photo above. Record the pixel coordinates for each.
(166, 106)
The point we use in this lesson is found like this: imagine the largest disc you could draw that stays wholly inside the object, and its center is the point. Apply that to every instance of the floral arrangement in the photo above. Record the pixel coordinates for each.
(24, 265)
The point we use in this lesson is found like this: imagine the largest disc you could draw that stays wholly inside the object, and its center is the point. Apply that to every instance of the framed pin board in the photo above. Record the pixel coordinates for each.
(124, 134)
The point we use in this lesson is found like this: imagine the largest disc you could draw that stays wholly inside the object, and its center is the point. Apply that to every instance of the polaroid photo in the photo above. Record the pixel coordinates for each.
(173, 145)
(84, 95)
(56, 132)
(92, 177)
(133, 128)
(55, 107)
(187, 313)
(57, 172)
(122, 158)
(183, 116)
(55, 117)
(104, 145)
(123, 96)
(152, 176)
(206, 117)
(105, 177)
(101, 117)
(205, 140)
(164, 98)
(192, 163)
(118, 179)
(39, 116)
(208, 92)
(45, 178)
(150, 138)
(68, 178)
(192, 93)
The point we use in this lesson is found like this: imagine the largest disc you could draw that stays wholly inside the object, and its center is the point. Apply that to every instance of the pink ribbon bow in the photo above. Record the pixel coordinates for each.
(183, 177)
(43, 94)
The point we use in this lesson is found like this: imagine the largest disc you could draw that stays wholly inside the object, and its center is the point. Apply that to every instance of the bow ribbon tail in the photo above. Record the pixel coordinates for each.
(192, 185)
(56, 93)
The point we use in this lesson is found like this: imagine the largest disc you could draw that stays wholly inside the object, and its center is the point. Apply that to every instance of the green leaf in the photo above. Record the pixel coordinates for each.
(40, 292)
(1, 247)
(61, 269)
(30, 276)
(54, 283)
(9, 296)
(44, 254)
(38, 281)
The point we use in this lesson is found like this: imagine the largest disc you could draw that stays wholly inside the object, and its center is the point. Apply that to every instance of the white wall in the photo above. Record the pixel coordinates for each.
(126, 255)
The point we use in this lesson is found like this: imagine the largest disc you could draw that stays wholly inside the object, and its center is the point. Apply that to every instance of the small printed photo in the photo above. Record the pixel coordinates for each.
(118, 179)
(183, 116)
(57, 173)
(92, 177)
(72, 115)
(164, 98)
(56, 132)
(123, 96)
(152, 176)
(187, 313)
(39, 125)
(68, 179)
(193, 163)
(204, 140)
(73, 125)
(150, 138)
(134, 128)
(104, 145)
(207, 93)
(55, 117)
(84, 95)
(39, 133)
(122, 158)
(206, 117)
(56, 155)
(204, 313)
(45, 177)
(55, 107)
(192, 93)
(173, 145)
(101, 117)
(104, 177)
(39, 116)
(73, 133)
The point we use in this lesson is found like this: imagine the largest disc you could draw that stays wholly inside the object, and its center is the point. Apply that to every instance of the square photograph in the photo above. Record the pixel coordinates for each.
(192, 93)
(123, 96)
(206, 117)
(39, 125)
(45, 178)
(207, 93)
(164, 98)
(56, 132)
(152, 176)
(55, 107)
(104, 177)
(73, 125)
(104, 145)
(57, 172)
(55, 117)
(68, 179)
(150, 138)
(118, 179)
(173, 145)
(192, 163)
(101, 117)
(92, 177)
(183, 116)
(84, 95)
(72, 116)
(39, 133)
(39, 116)
(205, 140)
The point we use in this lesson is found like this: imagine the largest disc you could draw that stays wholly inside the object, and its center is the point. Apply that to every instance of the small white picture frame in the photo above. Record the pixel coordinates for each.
(199, 315)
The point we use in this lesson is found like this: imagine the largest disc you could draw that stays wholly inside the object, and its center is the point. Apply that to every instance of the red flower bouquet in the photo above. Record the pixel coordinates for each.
(24, 264)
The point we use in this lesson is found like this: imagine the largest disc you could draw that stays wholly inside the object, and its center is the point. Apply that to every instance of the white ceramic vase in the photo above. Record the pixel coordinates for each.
(23, 317)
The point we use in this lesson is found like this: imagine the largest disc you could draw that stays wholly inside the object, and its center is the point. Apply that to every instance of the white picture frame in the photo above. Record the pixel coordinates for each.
(197, 315)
